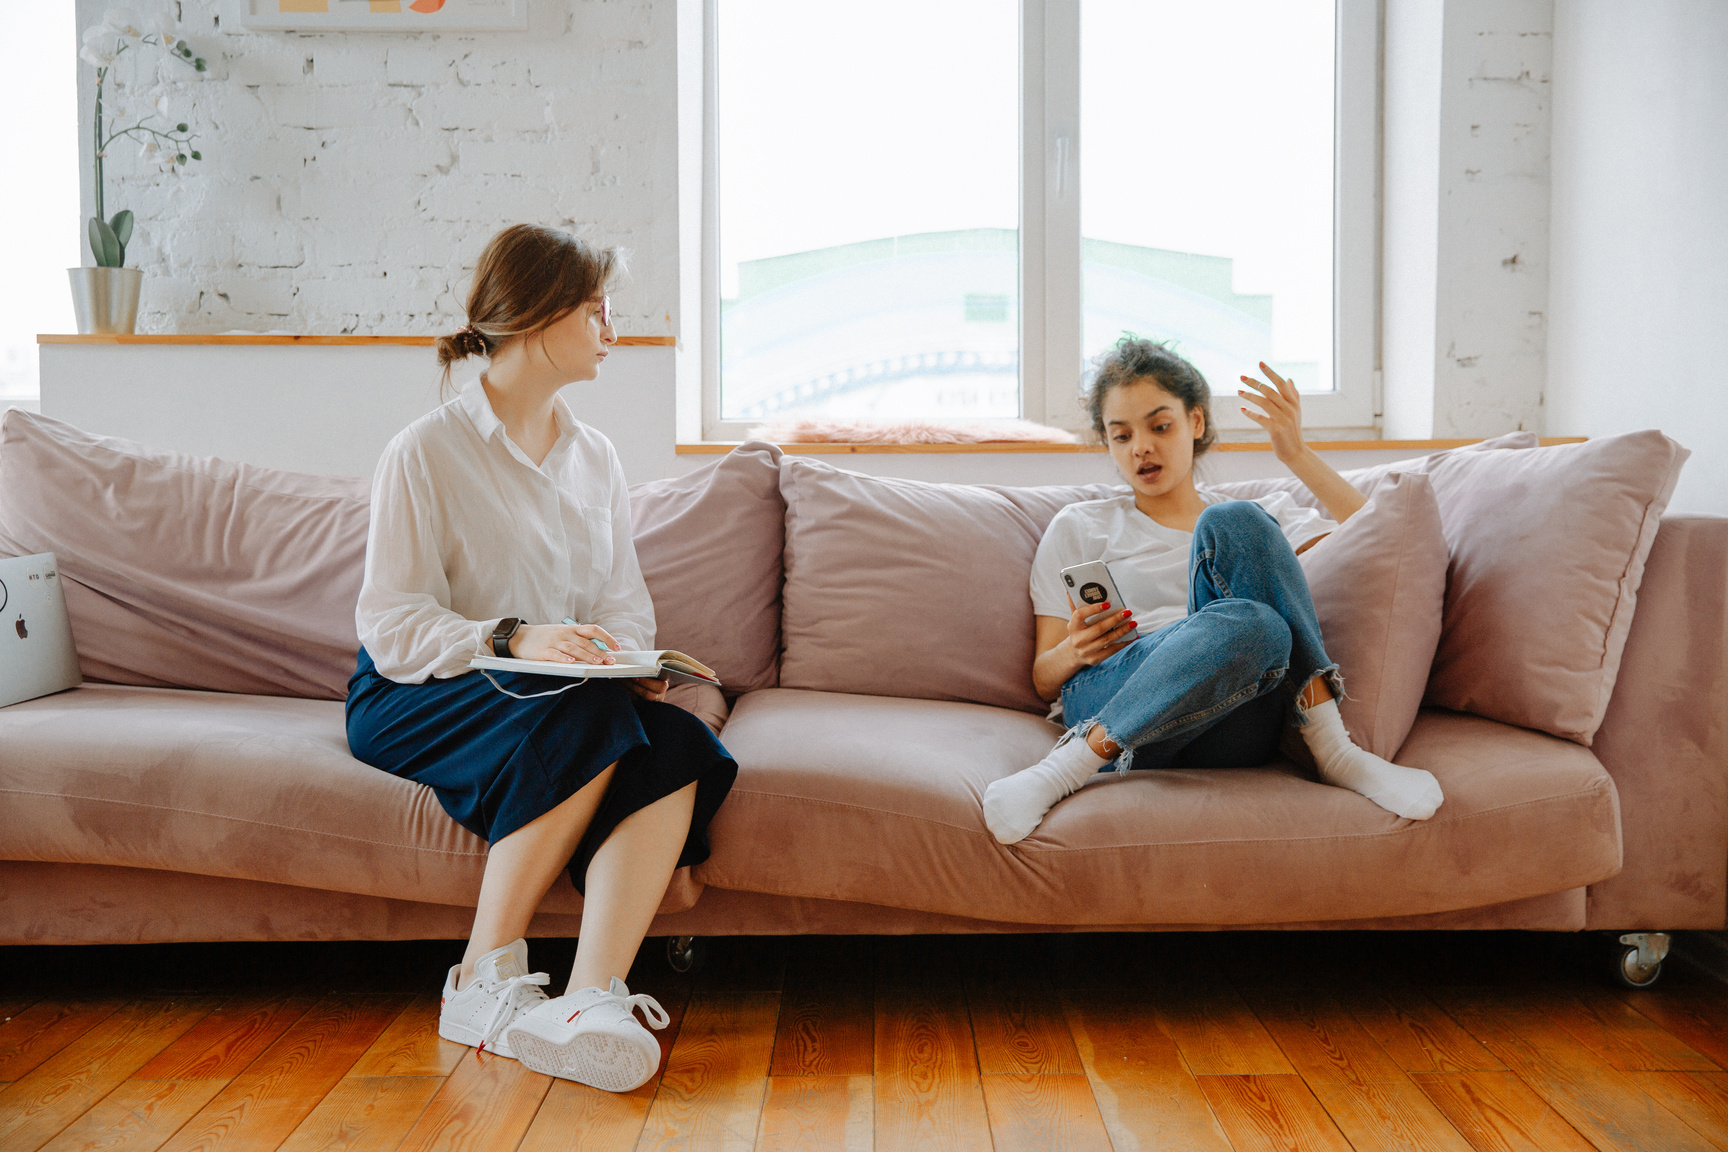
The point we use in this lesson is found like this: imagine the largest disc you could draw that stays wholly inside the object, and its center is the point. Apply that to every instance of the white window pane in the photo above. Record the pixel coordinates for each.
(869, 201)
(1206, 181)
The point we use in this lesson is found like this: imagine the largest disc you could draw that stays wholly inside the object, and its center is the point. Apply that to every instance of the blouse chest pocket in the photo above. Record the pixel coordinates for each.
(599, 524)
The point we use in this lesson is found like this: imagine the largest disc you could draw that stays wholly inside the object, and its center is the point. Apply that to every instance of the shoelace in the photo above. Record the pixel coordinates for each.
(510, 993)
(650, 1008)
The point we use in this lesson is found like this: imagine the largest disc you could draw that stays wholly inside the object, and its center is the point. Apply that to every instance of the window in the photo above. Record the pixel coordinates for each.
(945, 209)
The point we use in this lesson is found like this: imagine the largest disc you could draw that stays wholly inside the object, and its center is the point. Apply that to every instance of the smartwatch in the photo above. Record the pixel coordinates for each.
(501, 636)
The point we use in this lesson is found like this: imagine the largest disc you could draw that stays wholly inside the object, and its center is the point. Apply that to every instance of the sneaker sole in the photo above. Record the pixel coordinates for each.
(597, 1060)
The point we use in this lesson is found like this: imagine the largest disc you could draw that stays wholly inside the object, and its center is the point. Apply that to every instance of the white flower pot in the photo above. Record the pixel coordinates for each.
(105, 300)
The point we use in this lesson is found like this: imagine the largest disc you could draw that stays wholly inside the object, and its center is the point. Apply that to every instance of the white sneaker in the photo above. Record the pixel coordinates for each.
(591, 1037)
(502, 989)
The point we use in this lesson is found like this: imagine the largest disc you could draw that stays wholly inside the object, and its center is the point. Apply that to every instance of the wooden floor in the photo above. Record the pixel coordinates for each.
(1244, 1041)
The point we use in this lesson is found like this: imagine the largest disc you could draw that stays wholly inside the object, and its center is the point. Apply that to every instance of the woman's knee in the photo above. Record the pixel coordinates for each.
(1236, 517)
(1254, 630)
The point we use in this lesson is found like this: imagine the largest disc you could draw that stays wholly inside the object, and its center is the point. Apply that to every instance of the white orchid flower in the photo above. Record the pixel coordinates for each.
(148, 149)
(96, 57)
(124, 22)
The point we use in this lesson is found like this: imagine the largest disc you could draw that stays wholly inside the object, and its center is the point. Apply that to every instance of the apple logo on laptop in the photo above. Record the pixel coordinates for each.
(23, 632)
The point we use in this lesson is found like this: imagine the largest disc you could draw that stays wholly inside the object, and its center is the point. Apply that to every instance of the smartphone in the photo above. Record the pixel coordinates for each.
(1090, 583)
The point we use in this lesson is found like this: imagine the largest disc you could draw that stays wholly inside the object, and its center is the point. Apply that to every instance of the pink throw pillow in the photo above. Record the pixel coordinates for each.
(902, 588)
(1366, 479)
(1548, 549)
(710, 543)
(189, 572)
(1379, 586)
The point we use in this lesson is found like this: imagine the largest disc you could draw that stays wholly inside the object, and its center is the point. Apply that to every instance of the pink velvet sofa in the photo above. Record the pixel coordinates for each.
(1523, 622)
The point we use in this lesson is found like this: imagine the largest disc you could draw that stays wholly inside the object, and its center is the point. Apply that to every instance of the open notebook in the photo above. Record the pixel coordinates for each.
(664, 664)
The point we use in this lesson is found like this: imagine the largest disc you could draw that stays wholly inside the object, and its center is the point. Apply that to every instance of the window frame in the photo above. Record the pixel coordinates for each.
(1050, 305)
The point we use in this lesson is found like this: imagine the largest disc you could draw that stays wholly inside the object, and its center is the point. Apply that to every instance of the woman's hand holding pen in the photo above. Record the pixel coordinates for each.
(1097, 642)
(563, 644)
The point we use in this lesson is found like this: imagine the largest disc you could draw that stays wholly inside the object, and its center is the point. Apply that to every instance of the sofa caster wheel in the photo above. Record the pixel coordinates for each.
(1638, 959)
(686, 953)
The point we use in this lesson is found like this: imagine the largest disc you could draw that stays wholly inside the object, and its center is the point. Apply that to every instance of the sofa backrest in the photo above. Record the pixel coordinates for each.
(193, 572)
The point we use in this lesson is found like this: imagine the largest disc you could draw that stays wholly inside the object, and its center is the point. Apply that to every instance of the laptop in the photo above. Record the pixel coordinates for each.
(36, 653)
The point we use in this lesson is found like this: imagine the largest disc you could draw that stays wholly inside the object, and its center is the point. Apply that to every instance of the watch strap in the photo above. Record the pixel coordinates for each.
(501, 636)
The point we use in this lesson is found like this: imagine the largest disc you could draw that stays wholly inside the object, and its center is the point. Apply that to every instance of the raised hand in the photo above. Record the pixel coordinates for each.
(1279, 411)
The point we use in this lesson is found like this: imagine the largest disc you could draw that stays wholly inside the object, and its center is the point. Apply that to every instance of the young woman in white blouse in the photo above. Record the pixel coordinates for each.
(494, 518)
(1218, 641)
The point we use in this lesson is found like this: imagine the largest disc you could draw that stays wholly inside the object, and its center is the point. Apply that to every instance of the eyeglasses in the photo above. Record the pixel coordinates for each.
(605, 311)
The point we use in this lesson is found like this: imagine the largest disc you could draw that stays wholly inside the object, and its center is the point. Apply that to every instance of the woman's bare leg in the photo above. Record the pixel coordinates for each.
(625, 883)
(523, 865)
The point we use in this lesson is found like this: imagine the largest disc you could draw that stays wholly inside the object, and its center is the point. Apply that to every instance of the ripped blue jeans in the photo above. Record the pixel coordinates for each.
(1212, 690)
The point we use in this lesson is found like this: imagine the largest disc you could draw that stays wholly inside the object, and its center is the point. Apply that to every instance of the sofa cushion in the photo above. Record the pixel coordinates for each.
(850, 797)
(222, 784)
(709, 543)
(189, 571)
(902, 588)
(1367, 479)
(1379, 584)
(1548, 549)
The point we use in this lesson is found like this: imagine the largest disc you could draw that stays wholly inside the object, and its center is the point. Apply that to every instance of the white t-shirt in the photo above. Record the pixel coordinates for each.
(467, 530)
(1148, 561)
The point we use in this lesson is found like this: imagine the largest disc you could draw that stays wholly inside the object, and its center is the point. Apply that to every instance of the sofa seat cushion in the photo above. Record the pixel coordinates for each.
(220, 784)
(870, 799)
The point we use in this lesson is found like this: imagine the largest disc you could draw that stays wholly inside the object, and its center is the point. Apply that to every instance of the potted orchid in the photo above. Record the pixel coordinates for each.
(105, 297)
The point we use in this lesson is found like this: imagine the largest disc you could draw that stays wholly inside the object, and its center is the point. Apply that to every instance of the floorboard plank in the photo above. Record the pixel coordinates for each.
(1049, 1113)
(711, 1094)
(576, 1118)
(1497, 1112)
(927, 1090)
(281, 1087)
(1623, 1037)
(1019, 1028)
(1417, 1035)
(1597, 1099)
(411, 1046)
(825, 1032)
(1389, 1116)
(138, 1116)
(62, 1088)
(1699, 1098)
(1696, 1014)
(1217, 1033)
(370, 1113)
(486, 1104)
(37, 1032)
(1325, 1043)
(1145, 1093)
(1272, 1114)
(818, 1112)
(221, 1045)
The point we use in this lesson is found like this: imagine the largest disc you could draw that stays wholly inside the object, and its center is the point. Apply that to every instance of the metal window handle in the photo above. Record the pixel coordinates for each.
(1061, 167)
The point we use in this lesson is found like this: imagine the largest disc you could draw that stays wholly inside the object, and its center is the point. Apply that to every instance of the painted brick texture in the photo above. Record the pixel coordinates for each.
(350, 180)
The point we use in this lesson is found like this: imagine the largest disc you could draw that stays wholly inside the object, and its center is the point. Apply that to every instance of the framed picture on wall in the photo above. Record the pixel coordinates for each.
(384, 15)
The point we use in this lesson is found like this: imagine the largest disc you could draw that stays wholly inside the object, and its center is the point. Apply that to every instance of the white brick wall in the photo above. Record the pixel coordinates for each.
(350, 180)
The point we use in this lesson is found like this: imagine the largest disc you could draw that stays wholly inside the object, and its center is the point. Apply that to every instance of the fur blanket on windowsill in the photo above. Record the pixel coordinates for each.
(911, 432)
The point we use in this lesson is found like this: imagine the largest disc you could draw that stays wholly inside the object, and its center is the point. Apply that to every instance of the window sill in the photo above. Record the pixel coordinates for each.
(720, 448)
(282, 338)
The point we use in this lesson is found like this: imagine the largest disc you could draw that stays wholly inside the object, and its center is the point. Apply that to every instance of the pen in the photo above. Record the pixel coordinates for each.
(600, 644)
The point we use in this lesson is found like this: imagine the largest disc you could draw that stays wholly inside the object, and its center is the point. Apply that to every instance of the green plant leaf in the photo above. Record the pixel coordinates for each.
(104, 245)
(179, 127)
(198, 64)
(122, 225)
(180, 159)
(196, 155)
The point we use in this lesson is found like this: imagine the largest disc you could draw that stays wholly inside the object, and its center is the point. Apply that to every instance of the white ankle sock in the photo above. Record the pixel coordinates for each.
(1408, 792)
(1015, 805)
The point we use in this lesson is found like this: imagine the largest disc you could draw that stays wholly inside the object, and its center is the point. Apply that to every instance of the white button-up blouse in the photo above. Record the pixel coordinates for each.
(466, 530)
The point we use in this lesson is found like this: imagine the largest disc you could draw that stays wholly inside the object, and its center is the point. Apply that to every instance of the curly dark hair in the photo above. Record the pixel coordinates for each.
(1136, 358)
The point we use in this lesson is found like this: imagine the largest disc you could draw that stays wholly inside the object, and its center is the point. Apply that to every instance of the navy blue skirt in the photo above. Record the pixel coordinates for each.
(497, 763)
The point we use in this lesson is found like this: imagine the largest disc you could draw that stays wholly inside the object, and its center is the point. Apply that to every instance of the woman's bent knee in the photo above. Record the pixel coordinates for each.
(1252, 629)
(1233, 517)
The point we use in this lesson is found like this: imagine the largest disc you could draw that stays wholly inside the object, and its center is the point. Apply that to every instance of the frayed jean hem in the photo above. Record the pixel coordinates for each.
(1298, 710)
